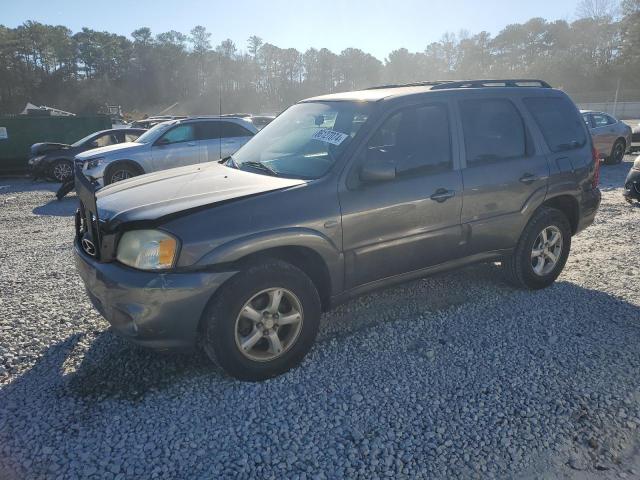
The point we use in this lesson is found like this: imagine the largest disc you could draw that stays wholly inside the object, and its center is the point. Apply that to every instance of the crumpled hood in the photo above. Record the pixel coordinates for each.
(155, 195)
(44, 147)
(100, 152)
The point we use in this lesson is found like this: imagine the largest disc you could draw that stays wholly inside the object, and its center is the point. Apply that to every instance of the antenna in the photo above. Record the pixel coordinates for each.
(219, 104)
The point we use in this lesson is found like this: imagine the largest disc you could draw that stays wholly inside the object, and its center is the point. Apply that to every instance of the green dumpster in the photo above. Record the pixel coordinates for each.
(19, 132)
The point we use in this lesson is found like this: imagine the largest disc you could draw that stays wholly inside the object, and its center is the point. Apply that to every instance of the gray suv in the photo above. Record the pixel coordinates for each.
(341, 194)
(169, 144)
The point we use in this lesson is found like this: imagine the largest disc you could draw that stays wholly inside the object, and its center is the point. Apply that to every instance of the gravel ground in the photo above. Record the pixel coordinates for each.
(455, 376)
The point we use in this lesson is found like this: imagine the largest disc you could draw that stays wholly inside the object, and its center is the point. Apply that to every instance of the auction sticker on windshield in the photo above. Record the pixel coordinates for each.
(329, 136)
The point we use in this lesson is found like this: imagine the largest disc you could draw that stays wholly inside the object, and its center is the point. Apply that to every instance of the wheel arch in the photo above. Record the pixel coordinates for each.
(307, 250)
(304, 258)
(568, 205)
(131, 163)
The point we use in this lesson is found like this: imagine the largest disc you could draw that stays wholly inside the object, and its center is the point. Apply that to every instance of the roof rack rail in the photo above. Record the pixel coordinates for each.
(508, 82)
(413, 84)
(442, 84)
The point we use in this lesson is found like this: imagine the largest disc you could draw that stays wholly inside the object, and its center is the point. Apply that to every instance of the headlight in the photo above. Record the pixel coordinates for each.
(94, 162)
(34, 160)
(147, 249)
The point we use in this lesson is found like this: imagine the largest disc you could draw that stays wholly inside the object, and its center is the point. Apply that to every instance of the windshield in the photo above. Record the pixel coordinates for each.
(154, 133)
(83, 139)
(305, 141)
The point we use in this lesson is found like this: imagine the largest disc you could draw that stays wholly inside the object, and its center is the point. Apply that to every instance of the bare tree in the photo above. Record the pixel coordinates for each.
(597, 9)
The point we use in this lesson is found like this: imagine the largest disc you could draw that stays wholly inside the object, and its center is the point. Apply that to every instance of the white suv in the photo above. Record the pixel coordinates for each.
(167, 145)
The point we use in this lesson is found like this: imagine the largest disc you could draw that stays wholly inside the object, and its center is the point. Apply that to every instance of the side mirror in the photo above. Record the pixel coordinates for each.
(94, 144)
(163, 141)
(378, 167)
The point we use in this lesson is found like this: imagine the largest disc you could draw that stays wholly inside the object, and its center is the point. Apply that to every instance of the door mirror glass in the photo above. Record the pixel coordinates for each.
(378, 167)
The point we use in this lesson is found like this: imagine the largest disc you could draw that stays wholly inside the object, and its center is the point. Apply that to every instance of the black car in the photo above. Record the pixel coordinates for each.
(632, 183)
(55, 160)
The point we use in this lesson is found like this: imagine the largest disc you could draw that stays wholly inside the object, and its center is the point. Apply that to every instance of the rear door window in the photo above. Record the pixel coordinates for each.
(559, 122)
(493, 130)
(208, 130)
(230, 129)
(131, 137)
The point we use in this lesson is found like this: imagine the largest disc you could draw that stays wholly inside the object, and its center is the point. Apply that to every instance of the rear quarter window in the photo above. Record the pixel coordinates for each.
(558, 120)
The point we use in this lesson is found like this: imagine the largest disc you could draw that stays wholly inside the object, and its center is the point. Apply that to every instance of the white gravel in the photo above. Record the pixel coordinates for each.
(455, 376)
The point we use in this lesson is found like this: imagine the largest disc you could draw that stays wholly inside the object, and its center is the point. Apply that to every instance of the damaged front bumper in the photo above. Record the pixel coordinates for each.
(160, 310)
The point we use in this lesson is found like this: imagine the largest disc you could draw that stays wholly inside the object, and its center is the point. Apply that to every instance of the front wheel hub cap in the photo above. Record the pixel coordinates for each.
(268, 324)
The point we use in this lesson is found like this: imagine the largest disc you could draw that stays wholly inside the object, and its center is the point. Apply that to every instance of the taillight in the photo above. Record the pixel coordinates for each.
(596, 172)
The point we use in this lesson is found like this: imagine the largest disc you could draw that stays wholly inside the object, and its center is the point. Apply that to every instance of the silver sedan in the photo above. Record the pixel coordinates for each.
(611, 136)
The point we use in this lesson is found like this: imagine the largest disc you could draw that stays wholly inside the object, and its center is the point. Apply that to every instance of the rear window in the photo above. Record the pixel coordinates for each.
(230, 130)
(561, 126)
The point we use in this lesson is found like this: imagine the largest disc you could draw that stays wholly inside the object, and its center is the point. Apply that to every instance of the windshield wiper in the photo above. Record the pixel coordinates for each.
(228, 161)
(259, 166)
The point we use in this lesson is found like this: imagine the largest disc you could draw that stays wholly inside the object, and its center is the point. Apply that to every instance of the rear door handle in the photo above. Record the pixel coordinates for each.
(191, 144)
(442, 195)
(529, 178)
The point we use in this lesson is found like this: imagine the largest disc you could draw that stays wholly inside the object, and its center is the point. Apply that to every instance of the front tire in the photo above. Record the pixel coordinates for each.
(262, 322)
(62, 170)
(118, 172)
(542, 250)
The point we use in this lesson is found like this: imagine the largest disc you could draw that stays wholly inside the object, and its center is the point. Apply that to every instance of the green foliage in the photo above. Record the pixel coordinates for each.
(48, 64)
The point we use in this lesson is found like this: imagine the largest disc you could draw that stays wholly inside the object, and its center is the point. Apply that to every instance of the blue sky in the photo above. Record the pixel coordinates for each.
(375, 26)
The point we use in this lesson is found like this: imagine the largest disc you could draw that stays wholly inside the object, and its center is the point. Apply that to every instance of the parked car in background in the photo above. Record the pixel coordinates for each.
(632, 183)
(635, 136)
(260, 121)
(153, 121)
(611, 136)
(340, 195)
(175, 143)
(55, 160)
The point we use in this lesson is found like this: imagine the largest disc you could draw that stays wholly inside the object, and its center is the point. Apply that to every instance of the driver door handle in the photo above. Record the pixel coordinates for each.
(442, 195)
(529, 178)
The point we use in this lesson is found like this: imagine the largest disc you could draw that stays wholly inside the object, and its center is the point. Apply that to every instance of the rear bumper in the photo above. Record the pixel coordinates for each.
(158, 310)
(589, 208)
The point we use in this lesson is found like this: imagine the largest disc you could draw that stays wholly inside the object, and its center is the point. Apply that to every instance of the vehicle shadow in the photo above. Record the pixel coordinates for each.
(612, 177)
(113, 368)
(58, 208)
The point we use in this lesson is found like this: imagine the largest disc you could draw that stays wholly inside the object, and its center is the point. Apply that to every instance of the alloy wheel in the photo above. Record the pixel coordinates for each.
(546, 250)
(62, 171)
(120, 175)
(268, 324)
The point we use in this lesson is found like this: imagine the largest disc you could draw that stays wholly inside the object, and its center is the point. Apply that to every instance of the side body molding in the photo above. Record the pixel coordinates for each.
(282, 238)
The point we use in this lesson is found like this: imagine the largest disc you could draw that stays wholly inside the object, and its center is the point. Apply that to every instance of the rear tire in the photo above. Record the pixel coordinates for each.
(244, 329)
(537, 261)
(617, 153)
